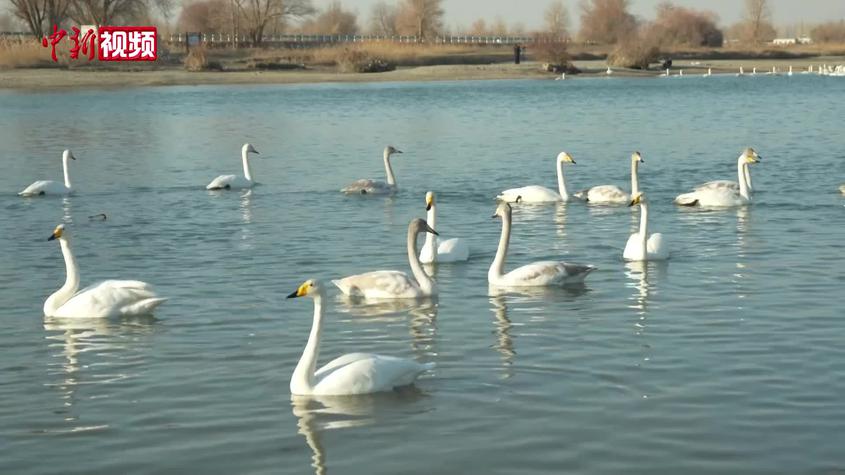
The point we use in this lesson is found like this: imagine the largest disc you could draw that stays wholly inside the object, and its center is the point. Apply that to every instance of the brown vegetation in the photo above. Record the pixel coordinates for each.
(831, 32)
(679, 26)
(333, 20)
(423, 18)
(205, 16)
(640, 50)
(24, 54)
(606, 21)
(556, 18)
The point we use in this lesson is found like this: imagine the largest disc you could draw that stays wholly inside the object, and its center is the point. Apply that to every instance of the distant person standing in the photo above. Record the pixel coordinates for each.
(516, 52)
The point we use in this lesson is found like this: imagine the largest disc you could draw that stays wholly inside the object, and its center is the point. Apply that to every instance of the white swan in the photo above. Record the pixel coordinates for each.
(351, 374)
(109, 298)
(376, 187)
(435, 250)
(612, 194)
(842, 189)
(723, 193)
(537, 274)
(49, 187)
(541, 194)
(391, 284)
(642, 246)
(235, 182)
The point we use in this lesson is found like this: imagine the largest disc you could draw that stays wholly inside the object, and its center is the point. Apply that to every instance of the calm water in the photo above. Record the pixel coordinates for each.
(730, 358)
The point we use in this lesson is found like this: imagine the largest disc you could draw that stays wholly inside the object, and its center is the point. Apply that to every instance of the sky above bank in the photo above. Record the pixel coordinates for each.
(530, 12)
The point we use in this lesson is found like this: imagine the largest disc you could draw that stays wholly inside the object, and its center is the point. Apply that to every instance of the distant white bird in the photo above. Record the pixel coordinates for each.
(376, 187)
(235, 182)
(709, 72)
(754, 72)
(741, 72)
(842, 189)
(609, 71)
(391, 284)
(681, 73)
(665, 74)
(110, 298)
(541, 194)
(722, 194)
(350, 374)
(642, 246)
(435, 250)
(612, 194)
(537, 274)
(790, 71)
(49, 187)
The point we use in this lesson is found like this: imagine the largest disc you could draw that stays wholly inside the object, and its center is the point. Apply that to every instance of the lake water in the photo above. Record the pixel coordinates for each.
(729, 358)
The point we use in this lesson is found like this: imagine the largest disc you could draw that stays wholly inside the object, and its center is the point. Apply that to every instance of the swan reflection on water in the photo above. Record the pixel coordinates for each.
(421, 316)
(502, 331)
(90, 352)
(643, 278)
(247, 235)
(317, 414)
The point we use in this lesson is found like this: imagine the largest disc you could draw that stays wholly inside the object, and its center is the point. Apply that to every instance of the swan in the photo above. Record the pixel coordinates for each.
(537, 274)
(741, 72)
(723, 193)
(391, 284)
(612, 194)
(350, 374)
(708, 73)
(234, 182)
(376, 187)
(641, 246)
(541, 194)
(732, 185)
(842, 189)
(609, 71)
(109, 298)
(49, 187)
(434, 250)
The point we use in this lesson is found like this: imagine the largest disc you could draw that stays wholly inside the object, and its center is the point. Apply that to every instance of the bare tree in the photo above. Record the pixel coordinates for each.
(676, 25)
(383, 19)
(205, 16)
(556, 19)
(334, 20)
(105, 12)
(606, 21)
(40, 15)
(423, 18)
(259, 14)
(758, 16)
(499, 27)
(478, 28)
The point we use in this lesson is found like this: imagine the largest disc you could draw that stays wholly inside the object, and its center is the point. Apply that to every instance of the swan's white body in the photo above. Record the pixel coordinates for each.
(541, 194)
(722, 193)
(235, 182)
(110, 298)
(537, 274)
(391, 284)
(842, 189)
(612, 194)
(376, 187)
(351, 374)
(49, 187)
(435, 250)
(642, 246)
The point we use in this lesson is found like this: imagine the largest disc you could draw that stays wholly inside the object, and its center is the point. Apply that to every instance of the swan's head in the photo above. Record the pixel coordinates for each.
(248, 148)
(503, 210)
(67, 154)
(58, 233)
(750, 156)
(420, 226)
(637, 157)
(565, 158)
(637, 199)
(429, 200)
(390, 150)
(309, 288)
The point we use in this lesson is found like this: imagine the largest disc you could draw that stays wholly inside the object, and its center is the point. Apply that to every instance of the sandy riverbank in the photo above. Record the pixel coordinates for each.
(57, 79)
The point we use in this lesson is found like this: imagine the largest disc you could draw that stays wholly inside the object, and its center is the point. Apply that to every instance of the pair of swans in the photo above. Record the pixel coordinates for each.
(49, 187)
(376, 187)
(235, 182)
(604, 194)
(350, 374)
(433, 249)
(642, 246)
(725, 193)
(110, 298)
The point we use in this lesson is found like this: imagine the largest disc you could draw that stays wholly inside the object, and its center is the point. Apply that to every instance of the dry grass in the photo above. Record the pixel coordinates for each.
(28, 53)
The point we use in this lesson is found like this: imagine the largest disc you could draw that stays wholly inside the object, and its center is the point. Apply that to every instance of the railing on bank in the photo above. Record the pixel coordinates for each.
(227, 39)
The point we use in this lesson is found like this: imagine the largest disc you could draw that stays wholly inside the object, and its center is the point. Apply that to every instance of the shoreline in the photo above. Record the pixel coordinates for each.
(57, 79)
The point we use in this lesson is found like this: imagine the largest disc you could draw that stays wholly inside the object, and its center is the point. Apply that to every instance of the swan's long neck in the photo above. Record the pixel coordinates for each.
(424, 281)
(635, 179)
(430, 239)
(67, 175)
(245, 158)
(497, 268)
(303, 374)
(747, 175)
(561, 181)
(743, 185)
(71, 285)
(644, 226)
(391, 180)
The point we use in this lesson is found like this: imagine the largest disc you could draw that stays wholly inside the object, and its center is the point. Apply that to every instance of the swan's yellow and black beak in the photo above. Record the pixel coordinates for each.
(429, 202)
(302, 291)
(57, 233)
(635, 200)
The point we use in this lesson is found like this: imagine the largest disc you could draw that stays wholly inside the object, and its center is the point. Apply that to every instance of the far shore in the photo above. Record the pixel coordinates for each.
(44, 79)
